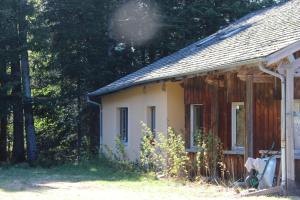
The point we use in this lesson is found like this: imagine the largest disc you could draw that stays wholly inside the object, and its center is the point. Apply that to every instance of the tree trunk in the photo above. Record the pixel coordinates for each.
(3, 138)
(18, 154)
(27, 100)
(3, 115)
(79, 128)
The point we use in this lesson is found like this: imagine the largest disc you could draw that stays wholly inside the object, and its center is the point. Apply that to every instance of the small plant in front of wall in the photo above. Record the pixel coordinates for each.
(119, 158)
(209, 156)
(166, 156)
(147, 153)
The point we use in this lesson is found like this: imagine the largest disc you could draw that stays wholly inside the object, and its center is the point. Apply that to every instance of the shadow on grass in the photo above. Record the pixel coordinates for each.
(24, 178)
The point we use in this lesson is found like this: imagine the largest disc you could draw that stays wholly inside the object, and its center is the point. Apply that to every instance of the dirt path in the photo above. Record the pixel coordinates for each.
(110, 191)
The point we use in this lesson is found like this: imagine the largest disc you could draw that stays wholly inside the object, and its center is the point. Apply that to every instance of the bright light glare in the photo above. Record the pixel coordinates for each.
(135, 23)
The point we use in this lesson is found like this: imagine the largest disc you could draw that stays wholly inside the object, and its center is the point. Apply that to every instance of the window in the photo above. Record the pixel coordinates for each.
(197, 124)
(297, 124)
(152, 119)
(238, 127)
(124, 124)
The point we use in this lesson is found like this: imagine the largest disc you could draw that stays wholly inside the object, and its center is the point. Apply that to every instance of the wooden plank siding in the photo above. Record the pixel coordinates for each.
(266, 113)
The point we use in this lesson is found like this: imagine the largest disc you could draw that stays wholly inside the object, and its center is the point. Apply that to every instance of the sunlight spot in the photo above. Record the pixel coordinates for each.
(93, 169)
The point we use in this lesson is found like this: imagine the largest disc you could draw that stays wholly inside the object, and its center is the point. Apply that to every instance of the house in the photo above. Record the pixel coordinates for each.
(240, 84)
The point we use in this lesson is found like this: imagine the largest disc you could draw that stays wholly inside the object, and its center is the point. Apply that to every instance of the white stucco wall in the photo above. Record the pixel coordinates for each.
(168, 100)
(137, 99)
(176, 109)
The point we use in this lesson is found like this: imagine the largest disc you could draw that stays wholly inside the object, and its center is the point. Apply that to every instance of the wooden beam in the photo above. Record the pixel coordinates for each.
(290, 157)
(264, 78)
(294, 65)
(249, 118)
(215, 80)
(215, 114)
(285, 52)
(264, 192)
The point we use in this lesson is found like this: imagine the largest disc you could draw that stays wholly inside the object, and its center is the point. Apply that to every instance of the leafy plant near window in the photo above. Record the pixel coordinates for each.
(209, 156)
(164, 155)
(119, 157)
(147, 155)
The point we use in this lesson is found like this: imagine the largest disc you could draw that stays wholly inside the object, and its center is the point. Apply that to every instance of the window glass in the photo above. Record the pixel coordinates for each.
(196, 122)
(153, 124)
(238, 125)
(151, 119)
(124, 124)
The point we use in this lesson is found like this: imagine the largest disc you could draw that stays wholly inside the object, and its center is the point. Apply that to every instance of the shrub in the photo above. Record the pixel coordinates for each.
(147, 153)
(164, 155)
(119, 158)
(209, 156)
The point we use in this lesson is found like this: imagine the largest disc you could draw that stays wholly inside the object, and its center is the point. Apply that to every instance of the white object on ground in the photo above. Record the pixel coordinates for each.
(249, 164)
(259, 165)
(267, 180)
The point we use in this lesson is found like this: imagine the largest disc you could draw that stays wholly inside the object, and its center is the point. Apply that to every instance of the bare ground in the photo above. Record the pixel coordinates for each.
(92, 190)
(98, 180)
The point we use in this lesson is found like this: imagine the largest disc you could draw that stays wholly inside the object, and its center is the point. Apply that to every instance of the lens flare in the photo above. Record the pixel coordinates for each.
(135, 22)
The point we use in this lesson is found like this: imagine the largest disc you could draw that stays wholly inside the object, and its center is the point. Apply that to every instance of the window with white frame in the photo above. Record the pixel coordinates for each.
(123, 124)
(297, 125)
(238, 127)
(197, 122)
(152, 119)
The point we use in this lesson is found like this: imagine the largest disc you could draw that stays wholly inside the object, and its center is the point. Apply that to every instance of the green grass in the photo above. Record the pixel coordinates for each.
(99, 180)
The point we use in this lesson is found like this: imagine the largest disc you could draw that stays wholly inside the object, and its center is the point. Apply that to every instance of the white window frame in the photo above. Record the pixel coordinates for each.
(192, 131)
(233, 126)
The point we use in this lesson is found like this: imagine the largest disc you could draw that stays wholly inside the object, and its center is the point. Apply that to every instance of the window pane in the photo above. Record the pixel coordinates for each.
(198, 118)
(240, 125)
(153, 119)
(197, 122)
(124, 124)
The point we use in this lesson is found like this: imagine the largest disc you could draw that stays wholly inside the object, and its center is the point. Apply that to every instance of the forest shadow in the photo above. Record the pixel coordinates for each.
(22, 178)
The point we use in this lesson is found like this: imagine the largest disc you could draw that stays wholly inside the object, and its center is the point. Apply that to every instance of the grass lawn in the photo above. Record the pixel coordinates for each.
(96, 180)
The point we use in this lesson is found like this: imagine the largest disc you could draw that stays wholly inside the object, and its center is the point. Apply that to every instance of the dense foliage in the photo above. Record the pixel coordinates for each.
(164, 154)
(77, 46)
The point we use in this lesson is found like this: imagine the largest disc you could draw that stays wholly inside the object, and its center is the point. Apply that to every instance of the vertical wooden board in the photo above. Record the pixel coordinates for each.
(254, 120)
(256, 123)
(259, 128)
(223, 126)
(278, 122)
(185, 91)
(272, 121)
(265, 122)
(187, 126)
(297, 171)
(249, 118)
(192, 85)
(297, 88)
(270, 115)
(201, 92)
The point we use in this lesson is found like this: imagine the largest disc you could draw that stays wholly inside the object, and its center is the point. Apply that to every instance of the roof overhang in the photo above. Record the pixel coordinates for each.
(267, 60)
(220, 68)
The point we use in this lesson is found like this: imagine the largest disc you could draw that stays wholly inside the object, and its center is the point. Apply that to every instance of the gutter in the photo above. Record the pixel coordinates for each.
(283, 122)
(100, 121)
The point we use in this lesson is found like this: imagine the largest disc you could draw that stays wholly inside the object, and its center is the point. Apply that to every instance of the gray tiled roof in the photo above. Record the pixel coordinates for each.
(253, 37)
